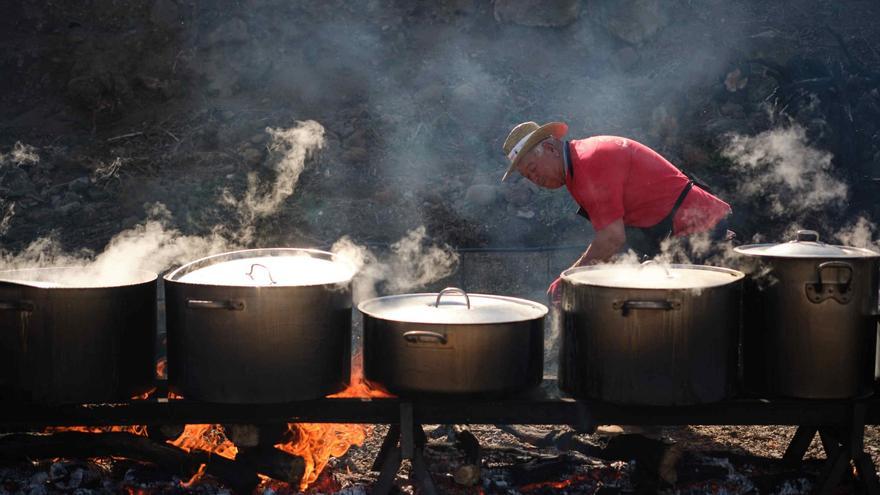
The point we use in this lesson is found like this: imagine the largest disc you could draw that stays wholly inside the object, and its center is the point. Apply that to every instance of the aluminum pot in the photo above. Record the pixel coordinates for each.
(453, 342)
(70, 337)
(650, 334)
(259, 326)
(810, 319)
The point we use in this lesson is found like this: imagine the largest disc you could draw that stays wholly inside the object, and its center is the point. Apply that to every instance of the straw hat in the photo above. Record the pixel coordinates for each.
(525, 136)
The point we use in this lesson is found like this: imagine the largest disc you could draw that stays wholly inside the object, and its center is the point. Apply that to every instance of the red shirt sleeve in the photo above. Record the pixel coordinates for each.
(603, 181)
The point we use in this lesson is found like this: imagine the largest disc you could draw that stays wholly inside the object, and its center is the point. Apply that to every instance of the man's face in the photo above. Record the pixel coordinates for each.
(543, 165)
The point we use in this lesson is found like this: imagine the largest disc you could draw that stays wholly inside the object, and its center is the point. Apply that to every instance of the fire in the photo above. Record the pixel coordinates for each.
(314, 442)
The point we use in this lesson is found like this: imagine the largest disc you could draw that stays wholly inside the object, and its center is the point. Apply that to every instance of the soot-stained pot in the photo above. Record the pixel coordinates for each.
(259, 326)
(72, 336)
(452, 342)
(650, 334)
(810, 318)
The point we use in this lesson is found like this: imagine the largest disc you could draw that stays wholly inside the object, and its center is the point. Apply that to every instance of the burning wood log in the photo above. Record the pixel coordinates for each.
(162, 433)
(468, 474)
(273, 463)
(27, 446)
(656, 456)
(249, 435)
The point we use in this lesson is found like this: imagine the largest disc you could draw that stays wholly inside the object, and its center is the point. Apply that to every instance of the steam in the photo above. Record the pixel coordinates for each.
(780, 167)
(155, 245)
(859, 234)
(151, 246)
(21, 154)
(411, 263)
(293, 146)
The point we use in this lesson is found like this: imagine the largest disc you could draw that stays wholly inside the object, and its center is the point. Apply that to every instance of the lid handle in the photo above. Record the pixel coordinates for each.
(807, 236)
(450, 290)
(250, 274)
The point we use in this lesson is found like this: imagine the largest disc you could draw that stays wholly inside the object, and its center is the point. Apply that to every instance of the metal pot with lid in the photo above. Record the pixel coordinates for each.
(452, 342)
(810, 318)
(71, 335)
(260, 326)
(649, 334)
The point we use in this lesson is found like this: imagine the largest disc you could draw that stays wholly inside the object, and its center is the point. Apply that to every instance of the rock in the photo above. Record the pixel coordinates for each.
(355, 155)
(540, 13)
(731, 109)
(633, 21)
(259, 138)
(252, 156)
(70, 208)
(165, 14)
(626, 58)
(80, 185)
(467, 475)
(481, 194)
(232, 31)
(735, 80)
(518, 194)
(17, 182)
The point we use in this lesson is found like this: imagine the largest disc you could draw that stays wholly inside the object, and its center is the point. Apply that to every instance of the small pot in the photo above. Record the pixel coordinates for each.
(810, 319)
(259, 326)
(453, 342)
(69, 337)
(650, 335)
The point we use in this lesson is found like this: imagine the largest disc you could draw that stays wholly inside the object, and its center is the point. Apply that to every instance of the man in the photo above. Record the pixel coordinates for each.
(628, 191)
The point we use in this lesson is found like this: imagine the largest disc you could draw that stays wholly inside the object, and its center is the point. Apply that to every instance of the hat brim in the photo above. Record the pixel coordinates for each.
(552, 129)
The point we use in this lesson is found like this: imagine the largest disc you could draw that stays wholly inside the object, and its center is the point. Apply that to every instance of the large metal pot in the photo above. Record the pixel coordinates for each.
(810, 319)
(259, 326)
(650, 334)
(452, 342)
(71, 337)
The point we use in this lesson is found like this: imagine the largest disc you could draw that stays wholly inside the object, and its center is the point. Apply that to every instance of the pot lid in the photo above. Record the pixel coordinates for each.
(805, 245)
(452, 306)
(75, 277)
(283, 267)
(652, 275)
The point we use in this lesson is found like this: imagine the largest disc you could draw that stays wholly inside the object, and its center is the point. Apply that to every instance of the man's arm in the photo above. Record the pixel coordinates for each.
(606, 244)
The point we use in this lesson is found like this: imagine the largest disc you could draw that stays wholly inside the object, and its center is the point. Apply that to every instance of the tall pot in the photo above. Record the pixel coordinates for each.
(259, 326)
(453, 343)
(70, 337)
(650, 335)
(810, 319)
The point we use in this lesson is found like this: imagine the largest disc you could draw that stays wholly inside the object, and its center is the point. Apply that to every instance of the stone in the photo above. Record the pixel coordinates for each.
(17, 182)
(165, 14)
(232, 31)
(731, 109)
(70, 208)
(518, 194)
(80, 185)
(633, 21)
(538, 13)
(626, 58)
(481, 194)
(252, 156)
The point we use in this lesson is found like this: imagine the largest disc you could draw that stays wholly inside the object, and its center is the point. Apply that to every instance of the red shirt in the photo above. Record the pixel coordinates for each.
(613, 177)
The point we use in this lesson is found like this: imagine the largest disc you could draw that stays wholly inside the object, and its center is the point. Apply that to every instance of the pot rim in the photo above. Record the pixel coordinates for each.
(135, 277)
(755, 250)
(539, 309)
(174, 275)
(736, 277)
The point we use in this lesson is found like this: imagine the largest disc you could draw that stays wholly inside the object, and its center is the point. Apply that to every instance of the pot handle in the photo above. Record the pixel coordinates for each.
(450, 290)
(20, 306)
(424, 336)
(806, 236)
(232, 304)
(823, 289)
(627, 306)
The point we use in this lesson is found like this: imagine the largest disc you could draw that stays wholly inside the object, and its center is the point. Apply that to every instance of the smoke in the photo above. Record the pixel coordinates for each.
(21, 154)
(779, 167)
(293, 147)
(411, 263)
(7, 212)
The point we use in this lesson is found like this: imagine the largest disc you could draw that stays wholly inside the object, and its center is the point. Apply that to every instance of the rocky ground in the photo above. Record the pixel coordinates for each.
(108, 107)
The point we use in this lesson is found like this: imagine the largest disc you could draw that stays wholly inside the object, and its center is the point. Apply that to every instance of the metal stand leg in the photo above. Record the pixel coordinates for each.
(403, 441)
(842, 445)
